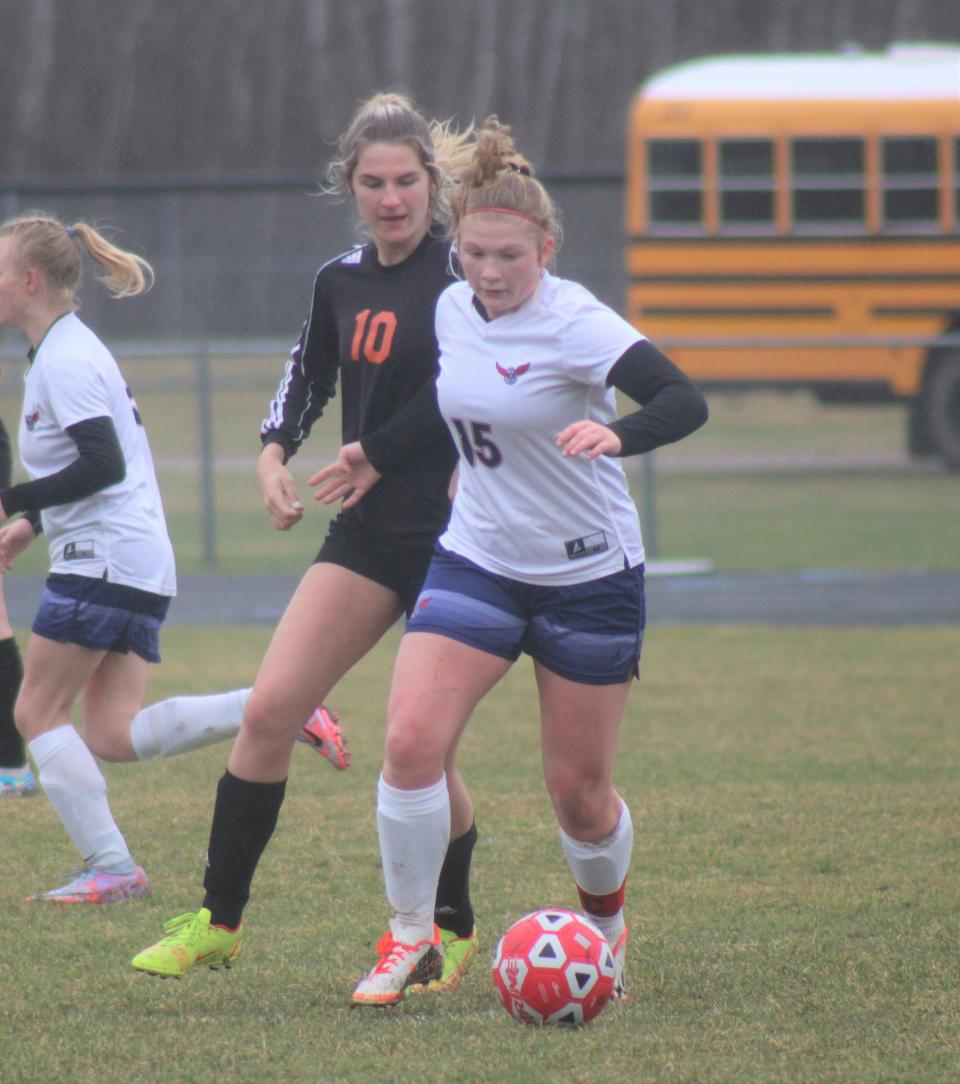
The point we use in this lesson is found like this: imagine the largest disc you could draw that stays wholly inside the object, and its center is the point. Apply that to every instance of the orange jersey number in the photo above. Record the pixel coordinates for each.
(374, 337)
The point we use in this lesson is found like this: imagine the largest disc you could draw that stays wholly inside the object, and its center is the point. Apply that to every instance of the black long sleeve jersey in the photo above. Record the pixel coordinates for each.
(372, 326)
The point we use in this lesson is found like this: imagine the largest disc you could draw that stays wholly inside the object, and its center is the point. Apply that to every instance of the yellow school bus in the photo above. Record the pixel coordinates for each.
(805, 209)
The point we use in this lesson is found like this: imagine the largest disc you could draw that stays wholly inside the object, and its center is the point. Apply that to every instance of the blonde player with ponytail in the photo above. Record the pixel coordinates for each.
(542, 555)
(111, 563)
(93, 492)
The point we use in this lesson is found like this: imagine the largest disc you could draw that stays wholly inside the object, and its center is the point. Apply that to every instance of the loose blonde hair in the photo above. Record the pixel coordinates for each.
(391, 117)
(490, 172)
(52, 247)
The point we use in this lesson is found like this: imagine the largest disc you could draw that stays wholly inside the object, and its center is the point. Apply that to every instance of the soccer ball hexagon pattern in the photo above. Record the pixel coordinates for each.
(553, 966)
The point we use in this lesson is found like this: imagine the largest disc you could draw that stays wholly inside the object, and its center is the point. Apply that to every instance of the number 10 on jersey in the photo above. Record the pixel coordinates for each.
(373, 337)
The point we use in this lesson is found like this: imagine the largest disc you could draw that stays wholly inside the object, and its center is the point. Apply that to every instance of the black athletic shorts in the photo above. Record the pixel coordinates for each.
(401, 569)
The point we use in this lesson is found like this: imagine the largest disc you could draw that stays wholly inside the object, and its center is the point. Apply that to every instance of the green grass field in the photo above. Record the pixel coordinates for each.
(793, 899)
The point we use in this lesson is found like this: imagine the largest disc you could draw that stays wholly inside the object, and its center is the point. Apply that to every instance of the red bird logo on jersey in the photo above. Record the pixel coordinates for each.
(511, 375)
(30, 420)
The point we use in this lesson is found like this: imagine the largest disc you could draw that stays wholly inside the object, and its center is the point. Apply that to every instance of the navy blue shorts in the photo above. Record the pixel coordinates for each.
(591, 633)
(101, 615)
(401, 569)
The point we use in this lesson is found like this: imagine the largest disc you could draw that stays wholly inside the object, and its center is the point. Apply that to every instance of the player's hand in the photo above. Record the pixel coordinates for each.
(279, 490)
(14, 539)
(588, 439)
(348, 478)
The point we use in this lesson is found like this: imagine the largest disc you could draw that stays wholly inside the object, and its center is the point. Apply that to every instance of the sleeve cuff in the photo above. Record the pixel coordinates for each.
(277, 436)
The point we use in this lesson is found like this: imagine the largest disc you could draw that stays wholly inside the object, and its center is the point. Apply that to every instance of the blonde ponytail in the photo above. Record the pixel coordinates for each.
(53, 248)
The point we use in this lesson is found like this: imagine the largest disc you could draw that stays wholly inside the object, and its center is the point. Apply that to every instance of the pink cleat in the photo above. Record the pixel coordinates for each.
(99, 886)
(322, 731)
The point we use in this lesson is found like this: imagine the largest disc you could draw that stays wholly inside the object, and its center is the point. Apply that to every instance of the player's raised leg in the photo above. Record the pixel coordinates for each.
(331, 606)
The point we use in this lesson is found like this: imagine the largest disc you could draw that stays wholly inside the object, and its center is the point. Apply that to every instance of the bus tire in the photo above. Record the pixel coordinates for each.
(920, 443)
(941, 400)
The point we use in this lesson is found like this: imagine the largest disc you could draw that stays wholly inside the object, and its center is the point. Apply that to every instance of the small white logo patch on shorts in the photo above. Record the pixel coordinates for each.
(584, 547)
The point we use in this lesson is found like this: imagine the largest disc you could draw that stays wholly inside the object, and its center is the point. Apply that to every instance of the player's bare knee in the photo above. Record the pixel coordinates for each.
(409, 757)
(107, 746)
(29, 717)
(582, 805)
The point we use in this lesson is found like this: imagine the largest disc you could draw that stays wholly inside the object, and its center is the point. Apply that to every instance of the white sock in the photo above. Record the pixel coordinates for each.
(600, 868)
(78, 792)
(187, 722)
(414, 827)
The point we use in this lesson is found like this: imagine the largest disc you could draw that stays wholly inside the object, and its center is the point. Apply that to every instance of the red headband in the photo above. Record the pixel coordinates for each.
(503, 211)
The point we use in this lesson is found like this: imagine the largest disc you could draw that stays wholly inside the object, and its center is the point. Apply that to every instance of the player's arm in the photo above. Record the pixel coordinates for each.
(672, 408)
(14, 539)
(99, 464)
(298, 402)
(349, 478)
(415, 426)
(308, 383)
(360, 465)
(293, 411)
(309, 379)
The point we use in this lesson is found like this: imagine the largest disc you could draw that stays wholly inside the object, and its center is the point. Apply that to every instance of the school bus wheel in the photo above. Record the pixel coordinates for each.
(920, 443)
(941, 407)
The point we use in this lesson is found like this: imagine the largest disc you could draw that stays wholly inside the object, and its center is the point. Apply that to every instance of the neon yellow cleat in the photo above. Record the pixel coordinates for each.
(189, 940)
(458, 954)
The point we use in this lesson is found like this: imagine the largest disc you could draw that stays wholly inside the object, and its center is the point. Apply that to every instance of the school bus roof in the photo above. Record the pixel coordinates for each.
(920, 72)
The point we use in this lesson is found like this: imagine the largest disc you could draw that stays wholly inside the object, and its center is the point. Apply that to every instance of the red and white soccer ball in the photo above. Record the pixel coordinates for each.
(553, 967)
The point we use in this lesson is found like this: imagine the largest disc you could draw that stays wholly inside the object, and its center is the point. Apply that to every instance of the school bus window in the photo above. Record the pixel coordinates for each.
(828, 183)
(674, 171)
(746, 184)
(909, 183)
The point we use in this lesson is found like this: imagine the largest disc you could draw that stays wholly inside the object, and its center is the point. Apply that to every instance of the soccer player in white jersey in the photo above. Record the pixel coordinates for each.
(542, 555)
(93, 491)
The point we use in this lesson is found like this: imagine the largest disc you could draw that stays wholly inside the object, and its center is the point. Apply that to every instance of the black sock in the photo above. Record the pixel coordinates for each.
(244, 819)
(12, 751)
(453, 910)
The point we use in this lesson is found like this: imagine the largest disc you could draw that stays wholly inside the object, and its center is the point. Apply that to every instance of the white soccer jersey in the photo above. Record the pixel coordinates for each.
(506, 388)
(119, 532)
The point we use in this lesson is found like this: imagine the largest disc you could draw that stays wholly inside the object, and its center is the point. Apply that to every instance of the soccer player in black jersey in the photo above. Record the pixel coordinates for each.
(370, 326)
